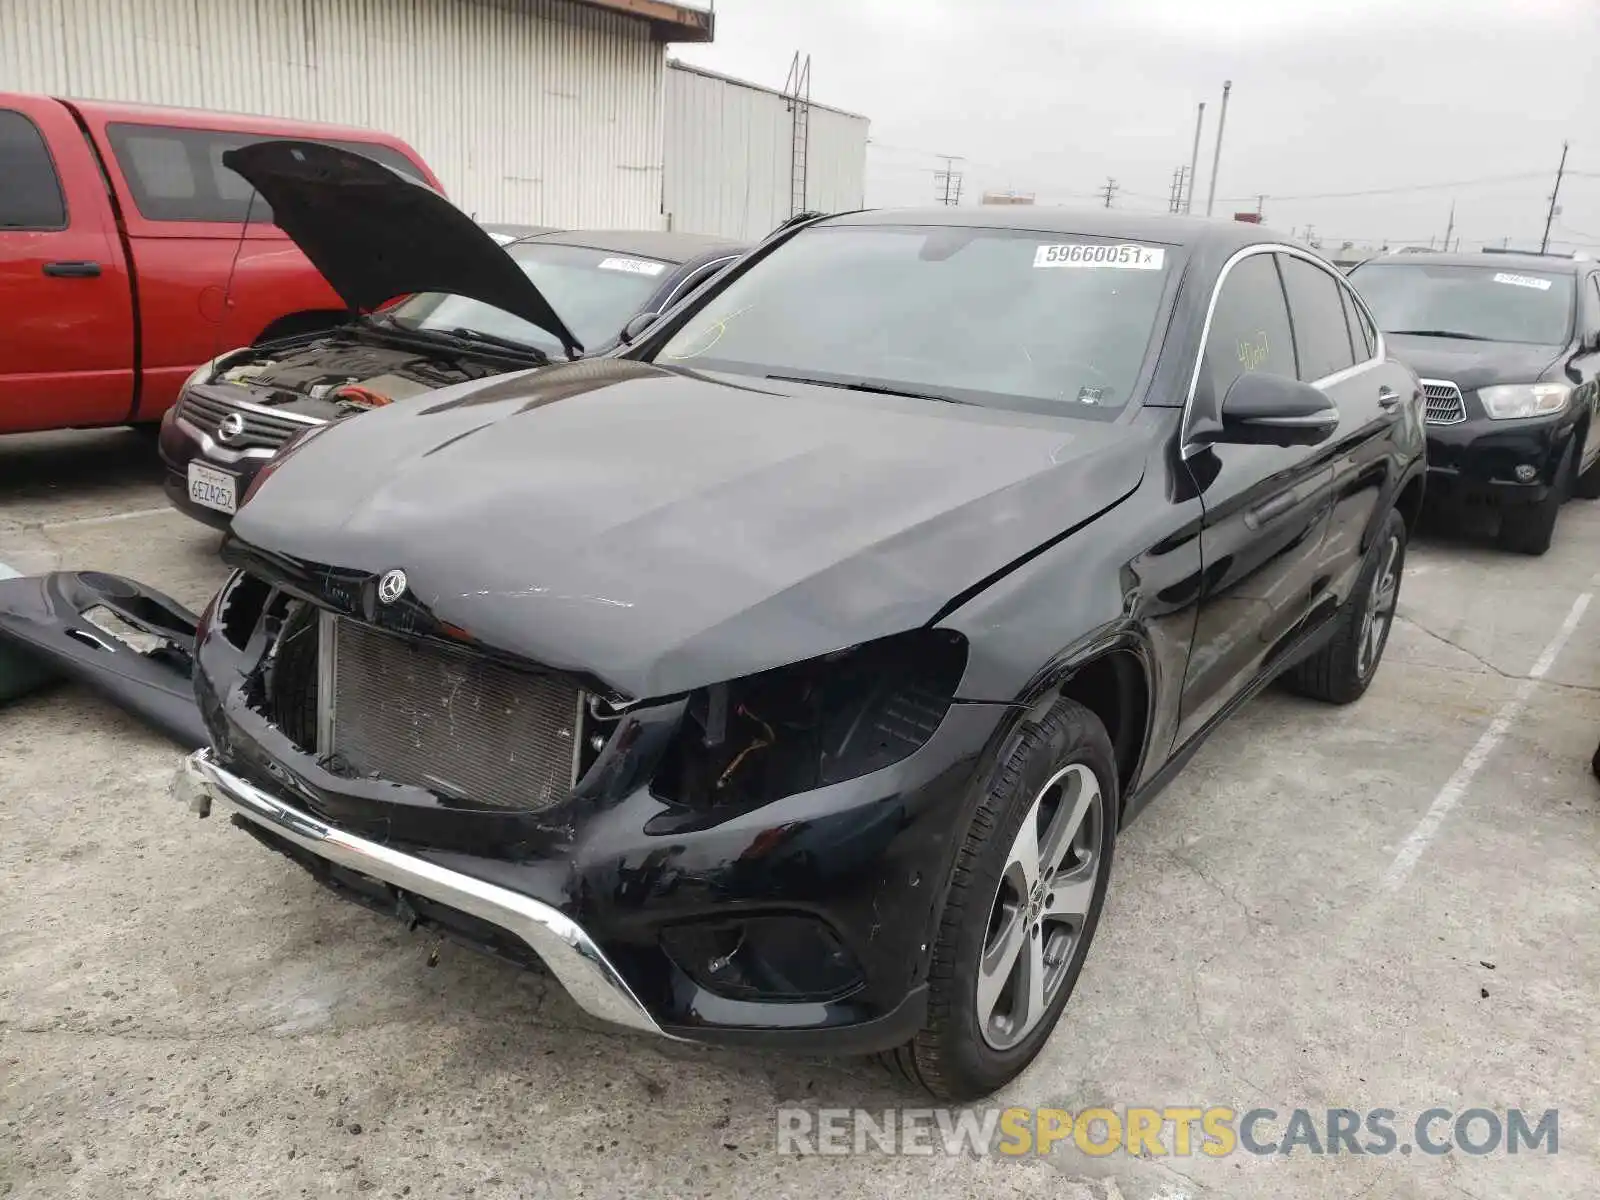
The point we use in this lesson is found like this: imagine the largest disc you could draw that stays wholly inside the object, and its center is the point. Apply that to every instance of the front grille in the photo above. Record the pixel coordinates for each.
(262, 431)
(1445, 406)
(446, 719)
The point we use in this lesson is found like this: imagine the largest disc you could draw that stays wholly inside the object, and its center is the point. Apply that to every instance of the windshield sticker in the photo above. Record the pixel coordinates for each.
(634, 266)
(1523, 281)
(1125, 257)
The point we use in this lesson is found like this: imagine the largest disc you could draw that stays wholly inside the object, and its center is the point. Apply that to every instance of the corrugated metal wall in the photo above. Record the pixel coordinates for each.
(727, 155)
(535, 111)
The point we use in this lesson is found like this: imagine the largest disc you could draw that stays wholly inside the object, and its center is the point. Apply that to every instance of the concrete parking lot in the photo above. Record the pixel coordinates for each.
(1391, 906)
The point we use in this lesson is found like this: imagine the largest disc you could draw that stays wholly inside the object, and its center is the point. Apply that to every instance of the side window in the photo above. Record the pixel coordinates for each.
(177, 174)
(1594, 303)
(1321, 333)
(1362, 336)
(31, 197)
(1249, 326)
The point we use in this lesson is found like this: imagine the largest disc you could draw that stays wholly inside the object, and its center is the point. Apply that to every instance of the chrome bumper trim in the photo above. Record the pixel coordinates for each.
(572, 956)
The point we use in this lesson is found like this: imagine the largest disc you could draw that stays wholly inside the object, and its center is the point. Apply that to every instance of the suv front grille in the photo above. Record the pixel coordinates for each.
(1445, 406)
(459, 724)
(261, 430)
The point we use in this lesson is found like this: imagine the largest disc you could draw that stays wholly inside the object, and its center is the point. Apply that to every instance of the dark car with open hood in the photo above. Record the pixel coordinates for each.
(1508, 348)
(786, 677)
(480, 301)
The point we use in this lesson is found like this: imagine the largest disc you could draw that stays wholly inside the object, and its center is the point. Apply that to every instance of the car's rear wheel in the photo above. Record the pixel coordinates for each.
(1529, 528)
(1026, 894)
(1340, 672)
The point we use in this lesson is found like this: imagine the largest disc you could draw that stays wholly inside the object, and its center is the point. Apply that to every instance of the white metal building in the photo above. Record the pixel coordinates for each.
(540, 112)
(536, 111)
(728, 159)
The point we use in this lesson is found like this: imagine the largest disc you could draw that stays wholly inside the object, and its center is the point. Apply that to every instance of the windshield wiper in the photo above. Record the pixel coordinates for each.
(861, 385)
(1446, 333)
(462, 333)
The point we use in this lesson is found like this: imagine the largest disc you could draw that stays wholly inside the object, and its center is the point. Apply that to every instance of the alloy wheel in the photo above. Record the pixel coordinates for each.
(1381, 600)
(1041, 907)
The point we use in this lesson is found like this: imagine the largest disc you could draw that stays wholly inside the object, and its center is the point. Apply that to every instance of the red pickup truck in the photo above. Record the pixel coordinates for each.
(126, 260)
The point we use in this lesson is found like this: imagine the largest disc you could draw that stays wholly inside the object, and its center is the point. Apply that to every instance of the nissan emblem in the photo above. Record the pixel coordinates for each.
(231, 427)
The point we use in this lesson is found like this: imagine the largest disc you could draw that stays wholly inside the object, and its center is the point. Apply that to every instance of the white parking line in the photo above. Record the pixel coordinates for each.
(1455, 787)
(111, 519)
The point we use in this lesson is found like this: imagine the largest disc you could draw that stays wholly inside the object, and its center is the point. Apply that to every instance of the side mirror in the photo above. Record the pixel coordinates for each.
(637, 325)
(1269, 410)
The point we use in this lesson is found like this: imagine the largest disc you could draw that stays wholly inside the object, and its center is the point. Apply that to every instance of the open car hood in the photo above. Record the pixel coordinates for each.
(376, 235)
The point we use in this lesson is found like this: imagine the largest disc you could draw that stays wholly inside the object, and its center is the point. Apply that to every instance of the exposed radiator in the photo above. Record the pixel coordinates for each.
(446, 719)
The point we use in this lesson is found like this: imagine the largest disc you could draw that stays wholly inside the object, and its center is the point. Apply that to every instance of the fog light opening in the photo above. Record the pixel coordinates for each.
(1526, 472)
(782, 959)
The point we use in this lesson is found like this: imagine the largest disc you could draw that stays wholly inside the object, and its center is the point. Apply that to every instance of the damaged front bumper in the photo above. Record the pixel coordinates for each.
(560, 943)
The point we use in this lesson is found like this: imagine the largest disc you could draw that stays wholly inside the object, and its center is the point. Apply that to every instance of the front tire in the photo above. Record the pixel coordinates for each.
(1025, 897)
(1341, 671)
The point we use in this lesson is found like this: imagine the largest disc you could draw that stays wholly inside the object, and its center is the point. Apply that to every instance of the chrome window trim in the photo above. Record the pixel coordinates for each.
(678, 288)
(1380, 353)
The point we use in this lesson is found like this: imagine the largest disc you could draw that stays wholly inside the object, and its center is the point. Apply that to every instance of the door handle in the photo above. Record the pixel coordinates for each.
(1276, 507)
(1388, 398)
(73, 270)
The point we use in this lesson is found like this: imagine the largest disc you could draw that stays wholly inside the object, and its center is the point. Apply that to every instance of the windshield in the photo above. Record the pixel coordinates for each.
(1489, 303)
(988, 316)
(594, 292)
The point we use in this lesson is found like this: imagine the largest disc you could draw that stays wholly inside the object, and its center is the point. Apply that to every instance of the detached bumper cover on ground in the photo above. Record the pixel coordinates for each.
(125, 640)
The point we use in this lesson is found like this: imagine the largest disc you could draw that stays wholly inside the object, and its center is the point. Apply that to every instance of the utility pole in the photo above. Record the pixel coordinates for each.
(1310, 240)
(1216, 158)
(1261, 206)
(949, 180)
(1450, 228)
(1550, 216)
(1194, 156)
(1110, 190)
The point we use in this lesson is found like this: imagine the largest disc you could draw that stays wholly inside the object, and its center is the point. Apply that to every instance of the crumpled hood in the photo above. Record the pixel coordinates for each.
(662, 530)
(376, 235)
(1472, 365)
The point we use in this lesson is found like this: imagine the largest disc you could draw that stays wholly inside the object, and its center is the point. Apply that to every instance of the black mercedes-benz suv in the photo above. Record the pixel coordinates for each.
(1508, 348)
(786, 677)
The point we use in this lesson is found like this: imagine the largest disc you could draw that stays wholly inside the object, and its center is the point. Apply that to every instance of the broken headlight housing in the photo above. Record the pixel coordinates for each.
(757, 739)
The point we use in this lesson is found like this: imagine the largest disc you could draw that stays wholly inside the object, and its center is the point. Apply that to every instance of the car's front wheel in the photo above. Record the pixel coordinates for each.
(1025, 896)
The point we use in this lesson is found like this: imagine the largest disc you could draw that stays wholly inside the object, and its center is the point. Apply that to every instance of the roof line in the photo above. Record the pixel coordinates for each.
(670, 21)
(679, 65)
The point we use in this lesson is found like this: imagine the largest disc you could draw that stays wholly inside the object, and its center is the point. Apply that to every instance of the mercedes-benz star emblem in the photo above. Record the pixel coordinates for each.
(392, 586)
(231, 427)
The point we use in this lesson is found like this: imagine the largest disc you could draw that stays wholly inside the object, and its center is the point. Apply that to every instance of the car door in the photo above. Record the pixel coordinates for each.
(1337, 353)
(1265, 508)
(66, 341)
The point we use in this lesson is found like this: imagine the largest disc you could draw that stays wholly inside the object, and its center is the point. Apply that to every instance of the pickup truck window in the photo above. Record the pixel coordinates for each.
(31, 198)
(177, 174)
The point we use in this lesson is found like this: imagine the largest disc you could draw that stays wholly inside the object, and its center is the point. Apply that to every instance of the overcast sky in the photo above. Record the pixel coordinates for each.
(1329, 96)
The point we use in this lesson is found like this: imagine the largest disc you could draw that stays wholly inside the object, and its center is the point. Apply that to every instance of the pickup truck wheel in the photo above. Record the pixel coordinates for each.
(1529, 528)
(1340, 672)
(1027, 890)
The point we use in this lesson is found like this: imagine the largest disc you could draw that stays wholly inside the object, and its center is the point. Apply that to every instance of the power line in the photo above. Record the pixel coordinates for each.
(1407, 187)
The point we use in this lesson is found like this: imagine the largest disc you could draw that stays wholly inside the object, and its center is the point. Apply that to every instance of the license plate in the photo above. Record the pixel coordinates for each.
(212, 488)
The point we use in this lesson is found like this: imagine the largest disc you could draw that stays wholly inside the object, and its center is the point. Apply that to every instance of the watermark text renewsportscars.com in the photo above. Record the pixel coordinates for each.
(1168, 1131)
